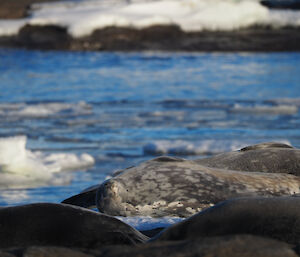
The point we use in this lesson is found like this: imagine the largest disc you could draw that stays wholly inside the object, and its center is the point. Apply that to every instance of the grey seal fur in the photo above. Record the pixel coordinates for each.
(264, 157)
(46, 224)
(275, 217)
(174, 186)
(182, 188)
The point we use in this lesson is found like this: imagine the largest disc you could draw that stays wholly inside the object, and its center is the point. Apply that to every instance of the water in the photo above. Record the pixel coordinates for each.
(124, 108)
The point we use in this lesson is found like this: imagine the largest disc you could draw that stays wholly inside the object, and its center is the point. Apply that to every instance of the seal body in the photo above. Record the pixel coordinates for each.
(178, 187)
(275, 217)
(46, 224)
(265, 157)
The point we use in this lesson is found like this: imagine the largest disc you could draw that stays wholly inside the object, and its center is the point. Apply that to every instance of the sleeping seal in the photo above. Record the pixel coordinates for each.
(181, 188)
(47, 224)
(174, 186)
(274, 217)
(264, 157)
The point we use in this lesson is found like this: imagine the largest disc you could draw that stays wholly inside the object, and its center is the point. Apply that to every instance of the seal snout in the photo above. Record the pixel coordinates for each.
(108, 197)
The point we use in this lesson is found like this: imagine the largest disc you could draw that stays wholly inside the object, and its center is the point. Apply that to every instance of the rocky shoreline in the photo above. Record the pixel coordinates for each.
(156, 38)
(152, 38)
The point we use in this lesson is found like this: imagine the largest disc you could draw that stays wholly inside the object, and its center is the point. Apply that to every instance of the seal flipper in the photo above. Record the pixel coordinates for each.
(86, 199)
(265, 145)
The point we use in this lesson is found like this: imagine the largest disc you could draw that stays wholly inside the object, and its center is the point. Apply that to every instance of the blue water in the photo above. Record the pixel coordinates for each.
(130, 104)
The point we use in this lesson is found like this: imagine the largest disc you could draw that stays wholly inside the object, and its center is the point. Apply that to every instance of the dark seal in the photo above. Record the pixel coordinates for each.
(275, 217)
(264, 157)
(47, 224)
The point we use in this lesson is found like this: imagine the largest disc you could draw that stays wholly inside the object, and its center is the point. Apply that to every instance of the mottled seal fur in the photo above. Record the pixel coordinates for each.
(174, 186)
(275, 217)
(265, 157)
(182, 188)
(46, 224)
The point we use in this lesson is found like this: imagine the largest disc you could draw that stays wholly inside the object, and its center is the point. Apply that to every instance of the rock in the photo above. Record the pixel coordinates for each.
(160, 37)
(172, 38)
(43, 37)
(277, 218)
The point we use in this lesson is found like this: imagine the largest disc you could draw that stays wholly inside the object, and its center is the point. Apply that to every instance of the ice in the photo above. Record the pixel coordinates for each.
(281, 109)
(81, 18)
(181, 147)
(147, 223)
(286, 101)
(20, 167)
(42, 110)
(202, 147)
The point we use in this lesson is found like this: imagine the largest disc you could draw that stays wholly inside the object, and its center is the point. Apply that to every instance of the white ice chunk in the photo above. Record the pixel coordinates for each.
(201, 147)
(82, 17)
(20, 167)
(147, 222)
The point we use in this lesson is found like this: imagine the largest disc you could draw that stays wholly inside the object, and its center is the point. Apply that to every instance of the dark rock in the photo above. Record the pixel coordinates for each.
(172, 38)
(15, 9)
(43, 37)
(164, 38)
(129, 39)
(277, 218)
(48, 224)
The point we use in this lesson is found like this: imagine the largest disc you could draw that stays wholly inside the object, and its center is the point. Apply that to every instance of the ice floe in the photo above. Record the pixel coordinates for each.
(20, 167)
(81, 18)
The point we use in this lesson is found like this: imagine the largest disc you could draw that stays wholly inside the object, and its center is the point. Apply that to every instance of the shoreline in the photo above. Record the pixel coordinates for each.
(157, 38)
(169, 38)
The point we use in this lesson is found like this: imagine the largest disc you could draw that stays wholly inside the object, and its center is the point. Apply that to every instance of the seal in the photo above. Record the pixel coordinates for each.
(47, 224)
(275, 217)
(264, 157)
(182, 188)
(175, 186)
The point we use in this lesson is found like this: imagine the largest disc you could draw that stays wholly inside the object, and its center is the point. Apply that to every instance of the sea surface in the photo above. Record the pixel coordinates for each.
(68, 120)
